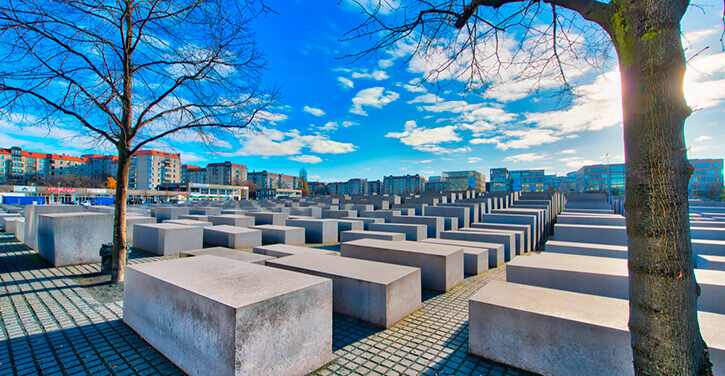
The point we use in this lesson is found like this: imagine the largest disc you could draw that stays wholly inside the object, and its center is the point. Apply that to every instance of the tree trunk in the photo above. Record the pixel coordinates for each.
(663, 292)
(118, 263)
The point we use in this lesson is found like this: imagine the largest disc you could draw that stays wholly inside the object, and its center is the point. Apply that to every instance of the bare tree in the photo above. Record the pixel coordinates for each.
(464, 41)
(130, 73)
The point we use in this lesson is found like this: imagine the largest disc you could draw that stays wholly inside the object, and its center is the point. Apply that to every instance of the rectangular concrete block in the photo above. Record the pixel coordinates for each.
(507, 240)
(205, 211)
(272, 234)
(163, 213)
(31, 213)
(434, 224)
(450, 224)
(375, 292)
(613, 235)
(441, 266)
(347, 236)
(711, 262)
(412, 232)
(232, 236)
(283, 250)
(216, 316)
(337, 214)
(20, 230)
(268, 218)
(167, 238)
(365, 220)
(519, 239)
(232, 220)
(8, 216)
(586, 249)
(583, 219)
(461, 213)
(132, 220)
(195, 217)
(349, 225)
(528, 240)
(516, 219)
(188, 222)
(234, 254)
(11, 224)
(476, 257)
(73, 238)
(563, 333)
(317, 231)
(386, 215)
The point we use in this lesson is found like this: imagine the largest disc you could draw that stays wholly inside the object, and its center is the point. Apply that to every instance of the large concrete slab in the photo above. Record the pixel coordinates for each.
(215, 316)
(31, 213)
(349, 225)
(507, 240)
(232, 236)
(520, 239)
(412, 232)
(583, 219)
(434, 224)
(375, 292)
(205, 211)
(347, 236)
(495, 252)
(462, 213)
(365, 220)
(188, 222)
(283, 250)
(132, 220)
(587, 249)
(711, 262)
(563, 333)
(528, 239)
(273, 234)
(73, 238)
(234, 254)
(337, 214)
(268, 218)
(441, 266)
(613, 235)
(516, 219)
(320, 231)
(195, 217)
(11, 224)
(167, 238)
(232, 220)
(169, 212)
(602, 276)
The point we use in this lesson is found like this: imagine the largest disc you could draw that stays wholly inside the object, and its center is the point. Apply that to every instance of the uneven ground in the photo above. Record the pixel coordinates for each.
(67, 321)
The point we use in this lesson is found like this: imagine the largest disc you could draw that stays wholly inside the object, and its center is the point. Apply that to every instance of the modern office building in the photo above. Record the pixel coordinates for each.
(500, 180)
(607, 178)
(465, 181)
(706, 181)
(403, 185)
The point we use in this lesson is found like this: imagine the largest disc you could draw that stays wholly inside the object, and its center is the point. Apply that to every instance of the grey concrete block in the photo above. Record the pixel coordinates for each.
(216, 316)
(234, 254)
(434, 224)
(11, 224)
(707, 233)
(268, 218)
(586, 249)
(308, 211)
(281, 234)
(167, 238)
(283, 250)
(6, 216)
(195, 217)
(337, 214)
(20, 231)
(232, 236)
(507, 240)
(519, 239)
(462, 213)
(170, 212)
(73, 238)
(516, 219)
(205, 211)
(365, 220)
(450, 224)
(317, 231)
(386, 215)
(31, 213)
(528, 239)
(347, 236)
(188, 222)
(441, 266)
(476, 257)
(584, 219)
(378, 293)
(613, 235)
(412, 232)
(132, 220)
(232, 220)
(711, 262)
(349, 225)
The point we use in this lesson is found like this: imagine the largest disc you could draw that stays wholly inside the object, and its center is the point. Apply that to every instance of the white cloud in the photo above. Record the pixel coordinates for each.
(568, 151)
(333, 126)
(704, 84)
(373, 97)
(385, 63)
(377, 75)
(271, 142)
(527, 157)
(435, 149)
(313, 111)
(703, 138)
(192, 158)
(426, 98)
(311, 159)
(519, 139)
(346, 82)
(471, 113)
(474, 159)
(417, 136)
(577, 162)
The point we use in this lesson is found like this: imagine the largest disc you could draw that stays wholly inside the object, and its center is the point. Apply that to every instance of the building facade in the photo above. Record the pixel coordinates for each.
(21, 166)
(500, 180)
(465, 181)
(607, 178)
(706, 181)
(226, 173)
(404, 185)
(151, 168)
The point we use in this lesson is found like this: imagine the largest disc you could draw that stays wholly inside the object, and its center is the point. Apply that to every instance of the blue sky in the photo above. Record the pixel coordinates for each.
(366, 119)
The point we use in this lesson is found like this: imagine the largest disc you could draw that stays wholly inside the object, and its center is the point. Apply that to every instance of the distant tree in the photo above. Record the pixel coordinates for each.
(131, 73)
(467, 41)
(251, 186)
(110, 183)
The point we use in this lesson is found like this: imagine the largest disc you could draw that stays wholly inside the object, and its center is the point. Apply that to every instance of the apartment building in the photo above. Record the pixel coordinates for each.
(21, 166)
(707, 179)
(226, 173)
(193, 174)
(357, 186)
(317, 188)
(375, 187)
(268, 180)
(465, 181)
(404, 185)
(151, 168)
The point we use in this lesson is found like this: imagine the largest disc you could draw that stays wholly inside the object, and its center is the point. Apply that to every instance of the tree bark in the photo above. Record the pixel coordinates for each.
(663, 292)
(118, 262)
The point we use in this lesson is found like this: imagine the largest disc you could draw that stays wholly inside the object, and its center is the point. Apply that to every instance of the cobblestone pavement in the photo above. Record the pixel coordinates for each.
(49, 325)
